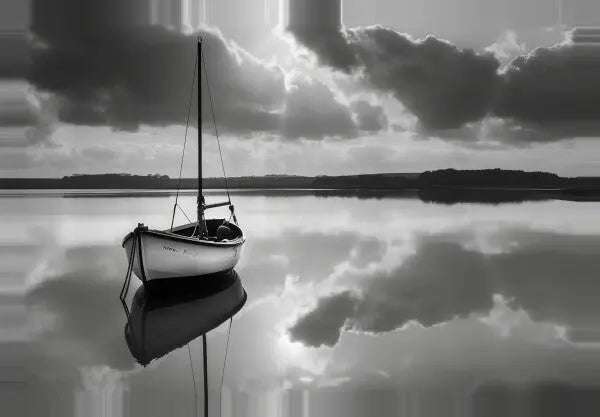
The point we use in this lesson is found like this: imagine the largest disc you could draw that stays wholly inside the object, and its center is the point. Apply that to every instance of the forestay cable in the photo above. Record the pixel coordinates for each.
(212, 110)
(187, 126)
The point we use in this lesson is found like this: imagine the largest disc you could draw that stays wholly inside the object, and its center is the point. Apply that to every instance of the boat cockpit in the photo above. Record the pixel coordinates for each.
(219, 230)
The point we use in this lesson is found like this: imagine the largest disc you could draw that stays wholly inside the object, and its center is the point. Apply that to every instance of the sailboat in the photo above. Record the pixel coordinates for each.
(204, 248)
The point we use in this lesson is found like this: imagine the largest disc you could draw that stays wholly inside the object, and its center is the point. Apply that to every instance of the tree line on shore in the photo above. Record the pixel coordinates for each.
(444, 179)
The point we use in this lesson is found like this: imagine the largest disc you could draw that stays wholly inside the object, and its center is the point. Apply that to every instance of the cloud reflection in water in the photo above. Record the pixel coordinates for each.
(552, 277)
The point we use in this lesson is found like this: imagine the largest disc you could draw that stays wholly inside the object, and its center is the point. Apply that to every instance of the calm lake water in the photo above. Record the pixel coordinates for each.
(356, 307)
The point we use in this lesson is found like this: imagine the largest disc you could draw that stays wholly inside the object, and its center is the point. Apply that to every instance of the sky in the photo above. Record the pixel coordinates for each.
(393, 86)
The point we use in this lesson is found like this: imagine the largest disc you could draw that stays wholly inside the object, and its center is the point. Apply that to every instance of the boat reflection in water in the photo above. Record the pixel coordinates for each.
(166, 318)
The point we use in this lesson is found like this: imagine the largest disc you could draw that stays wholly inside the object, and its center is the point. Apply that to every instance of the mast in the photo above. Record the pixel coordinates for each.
(201, 202)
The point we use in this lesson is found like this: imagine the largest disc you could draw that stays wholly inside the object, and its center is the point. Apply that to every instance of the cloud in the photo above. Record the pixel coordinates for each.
(547, 95)
(25, 118)
(330, 46)
(442, 85)
(312, 111)
(370, 118)
(106, 71)
(144, 76)
(549, 276)
(507, 47)
(553, 92)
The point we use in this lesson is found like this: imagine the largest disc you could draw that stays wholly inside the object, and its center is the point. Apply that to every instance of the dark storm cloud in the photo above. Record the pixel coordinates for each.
(552, 277)
(108, 70)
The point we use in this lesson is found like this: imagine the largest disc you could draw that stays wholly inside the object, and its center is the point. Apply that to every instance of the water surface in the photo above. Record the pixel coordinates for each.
(356, 307)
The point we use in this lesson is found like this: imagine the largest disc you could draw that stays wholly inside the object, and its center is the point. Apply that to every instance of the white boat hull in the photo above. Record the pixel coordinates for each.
(163, 255)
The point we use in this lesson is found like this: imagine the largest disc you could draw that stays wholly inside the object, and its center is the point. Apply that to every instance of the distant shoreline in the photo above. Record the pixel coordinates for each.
(447, 181)
(445, 196)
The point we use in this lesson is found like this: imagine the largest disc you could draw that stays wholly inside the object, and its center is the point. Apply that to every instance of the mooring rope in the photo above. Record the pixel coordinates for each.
(127, 282)
(125, 287)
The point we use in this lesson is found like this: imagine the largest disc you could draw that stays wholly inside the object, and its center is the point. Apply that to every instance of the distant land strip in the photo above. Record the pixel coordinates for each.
(439, 180)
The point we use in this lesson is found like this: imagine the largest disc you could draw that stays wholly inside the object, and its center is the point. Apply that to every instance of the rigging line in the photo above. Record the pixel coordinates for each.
(224, 364)
(194, 381)
(188, 219)
(186, 216)
(212, 110)
(187, 126)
